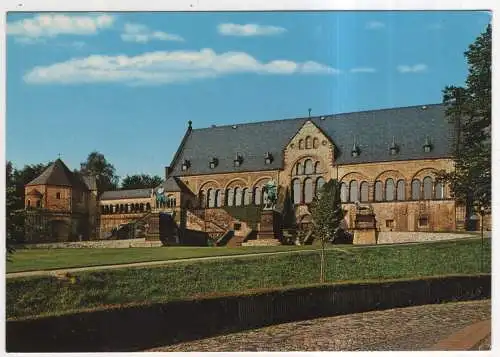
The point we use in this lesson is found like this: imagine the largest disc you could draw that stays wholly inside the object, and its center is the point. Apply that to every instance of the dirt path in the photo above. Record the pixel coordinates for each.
(49, 272)
(151, 263)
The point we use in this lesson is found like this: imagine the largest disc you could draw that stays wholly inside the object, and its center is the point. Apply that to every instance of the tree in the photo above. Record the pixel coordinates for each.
(97, 165)
(287, 209)
(14, 197)
(327, 214)
(140, 181)
(469, 108)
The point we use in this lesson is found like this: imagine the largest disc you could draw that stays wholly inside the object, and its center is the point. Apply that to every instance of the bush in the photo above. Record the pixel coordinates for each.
(342, 236)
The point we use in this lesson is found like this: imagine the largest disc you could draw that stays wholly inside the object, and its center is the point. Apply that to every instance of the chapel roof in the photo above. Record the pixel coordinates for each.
(58, 174)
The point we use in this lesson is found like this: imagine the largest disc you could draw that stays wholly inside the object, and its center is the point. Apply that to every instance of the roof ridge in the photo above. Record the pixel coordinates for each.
(318, 116)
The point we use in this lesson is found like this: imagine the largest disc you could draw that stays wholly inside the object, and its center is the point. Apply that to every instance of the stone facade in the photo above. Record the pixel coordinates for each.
(218, 169)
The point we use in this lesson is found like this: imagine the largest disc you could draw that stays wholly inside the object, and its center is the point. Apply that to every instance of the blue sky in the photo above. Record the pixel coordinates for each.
(126, 84)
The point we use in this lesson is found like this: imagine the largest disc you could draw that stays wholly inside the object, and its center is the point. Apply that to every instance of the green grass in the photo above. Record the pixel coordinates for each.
(46, 259)
(47, 295)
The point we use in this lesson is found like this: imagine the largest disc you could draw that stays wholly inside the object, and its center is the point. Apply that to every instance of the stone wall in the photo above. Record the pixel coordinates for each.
(414, 237)
(124, 243)
(409, 216)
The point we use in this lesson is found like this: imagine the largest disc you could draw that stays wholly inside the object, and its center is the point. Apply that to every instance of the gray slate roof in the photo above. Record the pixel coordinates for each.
(373, 130)
(124, 194)
(172, 184)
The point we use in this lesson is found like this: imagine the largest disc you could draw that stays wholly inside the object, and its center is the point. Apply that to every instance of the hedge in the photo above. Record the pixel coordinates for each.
(138, 327)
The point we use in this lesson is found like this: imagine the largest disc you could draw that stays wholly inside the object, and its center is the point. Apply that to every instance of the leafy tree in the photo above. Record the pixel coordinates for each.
(469, 107)
(287, 209)
(140, 181)
(96, 164)
(327, 215)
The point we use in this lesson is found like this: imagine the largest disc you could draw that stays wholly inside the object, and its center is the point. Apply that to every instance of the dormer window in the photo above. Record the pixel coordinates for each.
(393, 149)
(238, 159)
(427, 145)
(213, 163)
(185, 165)
(268, 158)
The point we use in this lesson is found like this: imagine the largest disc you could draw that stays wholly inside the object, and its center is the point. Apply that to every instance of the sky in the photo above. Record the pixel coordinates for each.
(126, 84)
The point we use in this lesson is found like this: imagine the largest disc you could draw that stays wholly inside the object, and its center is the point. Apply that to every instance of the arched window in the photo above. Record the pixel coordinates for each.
(301, 144)
(238, 196)
(353, 191)
(148, 207)
(211, 198)
(364, 191)
(389, 190)
(38, 204)
(103, 209)
(317, 168)
(378, 191)
(201, 199)
(308, 167)
(171, 200)
(257, 196)
(344, 192)
(427, 188)
(230, 197)
(28, 204)
(400, 194)
(298, 169)
(308, 190)
(315, 143)
(415, 189)
(296, 191)
(308, 142)
(439, 190)
(319, 184)
(142, 207)
(218, 196)
(246, 197)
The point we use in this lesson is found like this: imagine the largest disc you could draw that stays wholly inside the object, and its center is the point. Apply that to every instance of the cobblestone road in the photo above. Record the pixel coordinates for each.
(404, 329)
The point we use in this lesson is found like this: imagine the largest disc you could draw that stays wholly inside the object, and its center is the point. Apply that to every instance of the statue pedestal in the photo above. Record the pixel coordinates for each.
(269, 227)
(365, 231)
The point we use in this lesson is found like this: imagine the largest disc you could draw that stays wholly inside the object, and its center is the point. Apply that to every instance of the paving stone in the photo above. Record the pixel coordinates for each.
(402, 329)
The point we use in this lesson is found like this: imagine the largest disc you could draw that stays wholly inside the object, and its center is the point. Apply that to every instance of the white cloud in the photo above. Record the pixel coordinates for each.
(249, 30)
(142, 34)
(34, 29)
(375, 25)
(363, 70)
(412, 69)
(165, 67)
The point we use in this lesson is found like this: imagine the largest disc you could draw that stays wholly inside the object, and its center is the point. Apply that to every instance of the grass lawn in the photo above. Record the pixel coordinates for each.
(48, 295)
(45, 259)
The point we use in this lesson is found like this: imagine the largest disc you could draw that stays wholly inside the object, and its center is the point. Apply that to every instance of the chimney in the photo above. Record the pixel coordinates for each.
(168, 170)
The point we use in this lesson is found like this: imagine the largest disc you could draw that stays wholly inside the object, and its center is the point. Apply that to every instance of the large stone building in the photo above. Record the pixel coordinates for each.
(388, 159)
